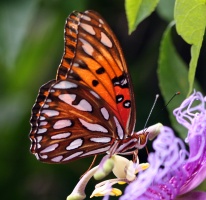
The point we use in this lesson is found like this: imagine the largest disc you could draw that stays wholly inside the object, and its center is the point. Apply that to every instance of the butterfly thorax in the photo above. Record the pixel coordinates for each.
(134, 141)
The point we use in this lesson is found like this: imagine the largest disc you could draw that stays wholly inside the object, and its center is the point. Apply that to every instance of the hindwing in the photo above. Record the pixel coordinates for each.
(71, 121)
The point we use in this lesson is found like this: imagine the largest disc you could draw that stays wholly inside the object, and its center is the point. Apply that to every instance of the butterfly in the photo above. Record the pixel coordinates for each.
(89, 109)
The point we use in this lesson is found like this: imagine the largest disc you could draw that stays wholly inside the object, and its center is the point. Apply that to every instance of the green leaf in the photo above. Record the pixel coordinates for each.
(165, 9)
(132, 9)
(190, 17)
(137, 11)
(172, 75)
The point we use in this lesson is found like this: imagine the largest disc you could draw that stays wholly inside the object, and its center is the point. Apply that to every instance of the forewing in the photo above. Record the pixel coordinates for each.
(94, 58)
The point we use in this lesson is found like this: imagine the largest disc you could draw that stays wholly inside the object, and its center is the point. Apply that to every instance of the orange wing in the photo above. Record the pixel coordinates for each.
(93, 56)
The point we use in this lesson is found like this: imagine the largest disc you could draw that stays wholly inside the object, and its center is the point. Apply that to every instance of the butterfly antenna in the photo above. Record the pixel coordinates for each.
(177, 93)
(157, 96)
(155, 101)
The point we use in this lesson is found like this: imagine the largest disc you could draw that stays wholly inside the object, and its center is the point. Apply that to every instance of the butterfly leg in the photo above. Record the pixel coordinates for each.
(135, 155)
(113, 148)
(93, 161)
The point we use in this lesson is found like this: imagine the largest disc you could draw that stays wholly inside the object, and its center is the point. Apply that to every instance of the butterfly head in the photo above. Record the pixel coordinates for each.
(148, 133)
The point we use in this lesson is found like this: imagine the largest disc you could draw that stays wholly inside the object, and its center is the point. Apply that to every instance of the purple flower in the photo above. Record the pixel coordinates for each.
(174, 171)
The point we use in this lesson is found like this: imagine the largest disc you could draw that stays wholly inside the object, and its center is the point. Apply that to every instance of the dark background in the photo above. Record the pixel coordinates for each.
(31, 46)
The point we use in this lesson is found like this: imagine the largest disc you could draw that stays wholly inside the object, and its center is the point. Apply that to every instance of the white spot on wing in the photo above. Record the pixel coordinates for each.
(105, 40)
(101, 21)
(67, 98)
(43, 123)
(120, 131)
(57, 159)
(96, 151)
(62, 124)
(75, 144)
(44, 156)
(88, 49)
(37, 156)
(83, 105)
(46, 106)
(93, 127)
(42, 118)
(86, 17)
(73, 156)
(75, 65)
(123, 82)
(41, 130)
(51, 113)
(60, 136)
(101, 139)
(88, 28)
(95, 94)
(105, 113)
(65, 85)
(50, 148)
(39, 138)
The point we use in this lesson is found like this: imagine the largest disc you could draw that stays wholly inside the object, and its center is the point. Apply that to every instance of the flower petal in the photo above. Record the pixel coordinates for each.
(192, 115)
(192, 195)
(105, 167)
(120, 164)
(159, 180)
(78, 193)
(105, 190)
(173, 171)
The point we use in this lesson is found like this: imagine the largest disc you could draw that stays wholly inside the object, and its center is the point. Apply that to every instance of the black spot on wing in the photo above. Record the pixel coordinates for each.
(101, 70)
(120, 81)
(119, 98)
(95, 83)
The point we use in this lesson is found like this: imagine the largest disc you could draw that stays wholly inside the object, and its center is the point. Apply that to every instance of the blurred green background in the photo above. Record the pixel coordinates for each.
(31, 46)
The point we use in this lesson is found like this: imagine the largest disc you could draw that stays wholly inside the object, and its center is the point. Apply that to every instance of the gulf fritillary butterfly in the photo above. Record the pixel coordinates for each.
(89, 108)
